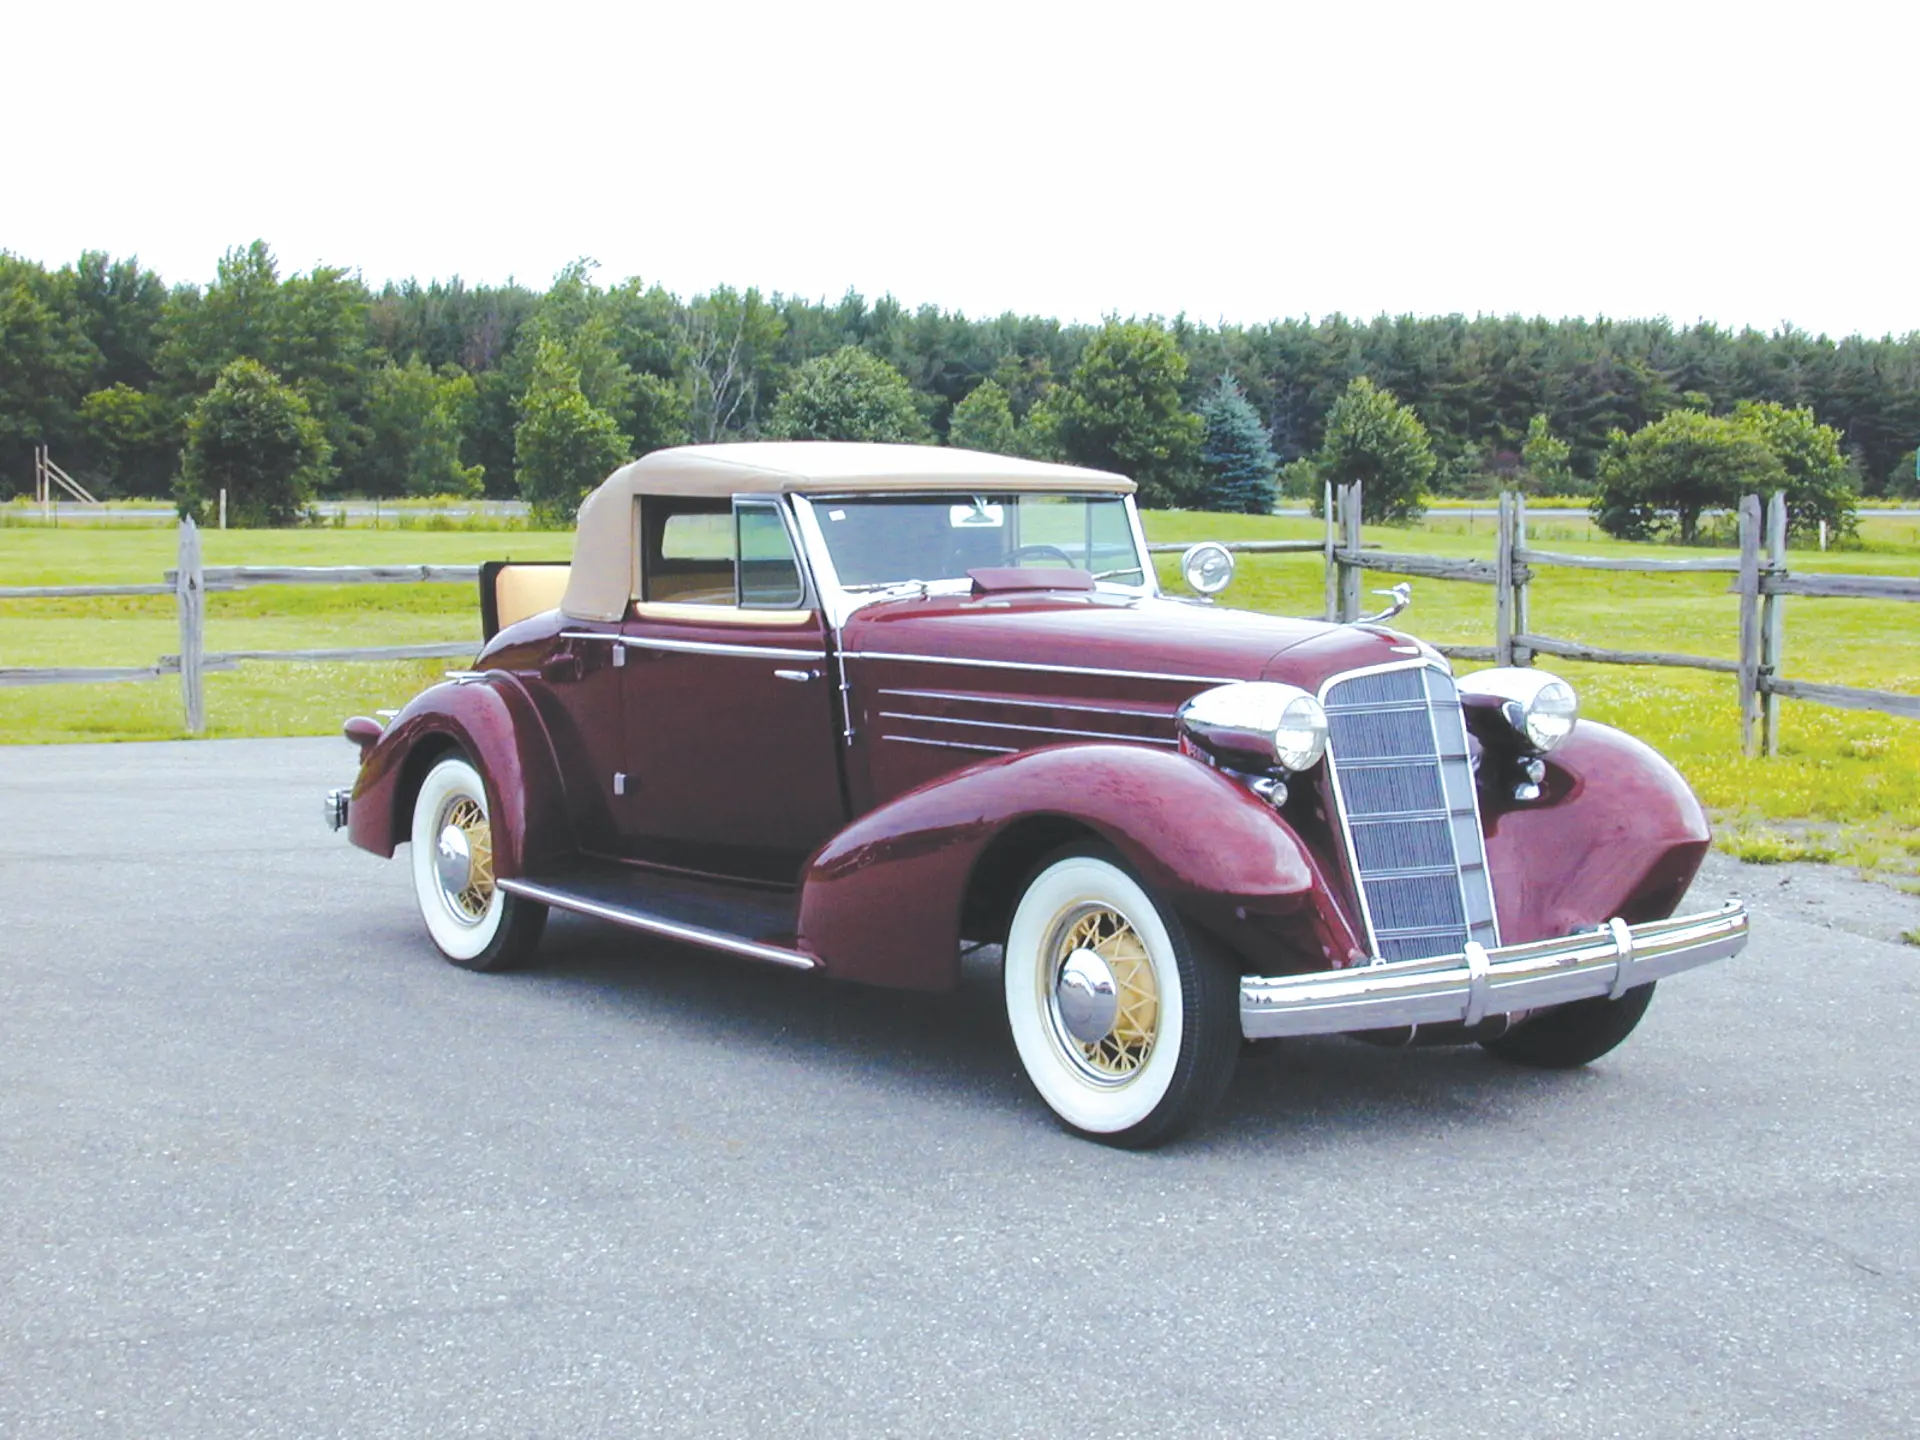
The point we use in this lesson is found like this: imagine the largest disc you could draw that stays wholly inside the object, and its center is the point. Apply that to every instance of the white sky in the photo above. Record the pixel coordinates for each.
(1744, 163)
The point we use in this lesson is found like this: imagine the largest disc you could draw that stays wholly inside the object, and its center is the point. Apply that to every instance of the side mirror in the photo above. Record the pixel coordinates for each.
(1207, 567)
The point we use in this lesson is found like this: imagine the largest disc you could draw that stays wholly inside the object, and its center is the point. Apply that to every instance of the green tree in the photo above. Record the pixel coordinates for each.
(984, 421)
(1373, 439)
(257, 440)
(563, 446)
(309, 330)
(1658, 480)
(1237, 464)
(1819, 481)
(1121, 411)
(848, 395)
(1545, 461)
(414, 425)
(134, 439)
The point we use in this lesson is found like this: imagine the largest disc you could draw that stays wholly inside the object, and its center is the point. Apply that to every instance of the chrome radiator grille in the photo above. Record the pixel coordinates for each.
(1397, 753)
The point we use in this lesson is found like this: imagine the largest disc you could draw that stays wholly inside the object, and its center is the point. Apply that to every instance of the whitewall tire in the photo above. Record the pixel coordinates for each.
(1128, 1023)
(475, 924)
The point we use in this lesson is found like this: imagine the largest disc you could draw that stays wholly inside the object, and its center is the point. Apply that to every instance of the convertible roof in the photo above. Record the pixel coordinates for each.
(604, 565)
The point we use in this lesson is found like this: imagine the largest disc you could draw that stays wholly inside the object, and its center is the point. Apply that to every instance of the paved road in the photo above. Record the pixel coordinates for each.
(269, 1168)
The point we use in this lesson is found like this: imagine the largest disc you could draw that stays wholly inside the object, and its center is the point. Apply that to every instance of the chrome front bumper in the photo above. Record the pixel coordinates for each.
(337, 803)
(1470, 987)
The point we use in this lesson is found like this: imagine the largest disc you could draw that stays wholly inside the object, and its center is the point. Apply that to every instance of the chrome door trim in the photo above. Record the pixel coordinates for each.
(696, 647)
(1036, 667)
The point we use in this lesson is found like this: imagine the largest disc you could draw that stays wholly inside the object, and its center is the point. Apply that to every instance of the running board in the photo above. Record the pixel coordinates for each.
(661, 925)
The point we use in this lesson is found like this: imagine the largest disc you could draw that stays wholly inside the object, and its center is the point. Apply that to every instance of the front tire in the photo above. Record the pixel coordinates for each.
(1569, 1036)
(475, 924)
(1127, 1023)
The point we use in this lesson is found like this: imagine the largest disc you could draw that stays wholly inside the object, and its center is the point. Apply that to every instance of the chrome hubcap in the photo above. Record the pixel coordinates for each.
(1100, 992)
(1088, 1000)
(454, 860)
(463, 860)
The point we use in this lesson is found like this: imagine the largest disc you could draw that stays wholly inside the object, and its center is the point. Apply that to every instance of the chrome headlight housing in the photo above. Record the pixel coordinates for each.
(1540, 707)
(1256, 725)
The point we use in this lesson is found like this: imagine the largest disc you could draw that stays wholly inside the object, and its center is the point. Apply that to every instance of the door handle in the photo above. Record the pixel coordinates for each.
(800, 675)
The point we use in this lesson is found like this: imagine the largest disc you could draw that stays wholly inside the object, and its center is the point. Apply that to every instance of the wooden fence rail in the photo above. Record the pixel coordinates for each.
(1761, 580)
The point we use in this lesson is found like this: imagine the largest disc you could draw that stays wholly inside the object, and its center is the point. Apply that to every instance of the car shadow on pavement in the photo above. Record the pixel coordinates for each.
(1322, 1090)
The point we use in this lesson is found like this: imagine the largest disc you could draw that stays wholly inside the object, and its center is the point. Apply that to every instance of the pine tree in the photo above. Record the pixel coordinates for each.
(1237, 462)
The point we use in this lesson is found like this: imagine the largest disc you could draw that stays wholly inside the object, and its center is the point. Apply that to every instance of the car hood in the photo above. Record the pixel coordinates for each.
(1152, 638)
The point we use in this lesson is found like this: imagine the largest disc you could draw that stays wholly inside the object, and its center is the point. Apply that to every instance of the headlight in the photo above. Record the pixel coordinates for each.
(1207, 567)
(1541, 707)
(1257, 725)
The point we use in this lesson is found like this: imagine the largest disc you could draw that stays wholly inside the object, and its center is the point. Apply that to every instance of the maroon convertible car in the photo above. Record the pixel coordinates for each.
(849, 708)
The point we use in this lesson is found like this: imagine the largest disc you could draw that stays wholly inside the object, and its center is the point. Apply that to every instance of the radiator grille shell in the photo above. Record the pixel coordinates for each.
(1402, 779)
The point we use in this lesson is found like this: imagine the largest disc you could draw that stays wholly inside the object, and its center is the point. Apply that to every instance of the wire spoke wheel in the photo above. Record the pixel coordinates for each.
(469, 901)
(1104, 933)
(475, 923)
(1126, 1021)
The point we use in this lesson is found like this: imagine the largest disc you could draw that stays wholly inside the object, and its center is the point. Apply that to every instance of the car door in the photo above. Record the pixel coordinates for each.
(729, 742)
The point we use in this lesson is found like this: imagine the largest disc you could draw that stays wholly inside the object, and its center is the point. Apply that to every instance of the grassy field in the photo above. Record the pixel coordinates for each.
(1846, 786)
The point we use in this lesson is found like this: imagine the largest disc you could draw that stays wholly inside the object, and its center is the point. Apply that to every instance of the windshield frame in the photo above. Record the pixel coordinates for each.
(840, 601)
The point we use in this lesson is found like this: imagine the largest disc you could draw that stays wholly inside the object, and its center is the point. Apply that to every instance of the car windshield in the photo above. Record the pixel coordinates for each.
(880, 540)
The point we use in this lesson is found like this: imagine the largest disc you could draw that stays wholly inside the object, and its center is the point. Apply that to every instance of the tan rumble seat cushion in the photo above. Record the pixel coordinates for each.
(520, 591)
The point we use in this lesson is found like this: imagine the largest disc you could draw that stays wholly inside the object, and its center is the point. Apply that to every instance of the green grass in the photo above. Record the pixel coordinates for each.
(1845, 787)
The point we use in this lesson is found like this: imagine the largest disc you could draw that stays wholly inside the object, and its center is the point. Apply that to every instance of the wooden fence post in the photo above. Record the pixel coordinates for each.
(1748, 585)
(1333, 543)
(1773, 623)
(1350, 508)
(1522, 619)
(1503, 584)
(189, 593)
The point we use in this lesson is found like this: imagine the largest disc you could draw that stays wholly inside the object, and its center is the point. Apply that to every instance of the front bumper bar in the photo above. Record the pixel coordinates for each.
(1469, 987)
(338, 802)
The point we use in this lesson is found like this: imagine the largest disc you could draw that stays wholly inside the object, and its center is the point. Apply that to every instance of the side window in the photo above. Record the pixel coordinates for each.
(689, 551)
(769, 573)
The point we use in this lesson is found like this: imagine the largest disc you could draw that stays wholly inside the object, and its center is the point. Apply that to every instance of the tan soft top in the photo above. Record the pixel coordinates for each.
(604, 565)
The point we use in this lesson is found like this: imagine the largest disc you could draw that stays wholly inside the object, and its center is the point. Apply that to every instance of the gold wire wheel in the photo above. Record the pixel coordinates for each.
(1125, 1047)
(469, 900)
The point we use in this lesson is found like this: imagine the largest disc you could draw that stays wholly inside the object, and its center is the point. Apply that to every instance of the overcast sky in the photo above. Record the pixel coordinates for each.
(1743, 163)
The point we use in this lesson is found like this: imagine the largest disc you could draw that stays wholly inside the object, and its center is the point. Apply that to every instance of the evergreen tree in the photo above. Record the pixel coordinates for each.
(1237, 464)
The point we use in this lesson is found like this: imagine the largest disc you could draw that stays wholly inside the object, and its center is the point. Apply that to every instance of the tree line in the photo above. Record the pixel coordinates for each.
(283, 388)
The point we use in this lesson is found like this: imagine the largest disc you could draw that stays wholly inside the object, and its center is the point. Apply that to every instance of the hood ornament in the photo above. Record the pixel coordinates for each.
(1402, 597)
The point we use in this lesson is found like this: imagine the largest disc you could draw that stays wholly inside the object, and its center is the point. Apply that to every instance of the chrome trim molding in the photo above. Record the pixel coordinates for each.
(657, 925)
(1029, 729)
(1037, 667)
(1165, 713)
(954, 745)
(695, 647)
(1605, 962)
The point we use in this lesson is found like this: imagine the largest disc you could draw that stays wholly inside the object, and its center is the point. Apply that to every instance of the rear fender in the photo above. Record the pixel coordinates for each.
(492, 720)
(883, 901)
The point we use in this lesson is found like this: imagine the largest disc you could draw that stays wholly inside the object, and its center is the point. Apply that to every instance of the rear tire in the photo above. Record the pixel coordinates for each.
(1569, 1036)
(475, 924)
(1128, 1024)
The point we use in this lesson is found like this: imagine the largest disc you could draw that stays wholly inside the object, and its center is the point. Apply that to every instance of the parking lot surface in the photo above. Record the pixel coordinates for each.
(268, 1167)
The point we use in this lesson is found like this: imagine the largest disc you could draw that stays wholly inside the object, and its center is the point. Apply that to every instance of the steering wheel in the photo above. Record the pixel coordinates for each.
(1019, 554)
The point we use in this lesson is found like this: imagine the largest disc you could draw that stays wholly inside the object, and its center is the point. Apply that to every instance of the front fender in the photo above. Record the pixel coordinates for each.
(882, 902)
(493, 721)
(1616, 832)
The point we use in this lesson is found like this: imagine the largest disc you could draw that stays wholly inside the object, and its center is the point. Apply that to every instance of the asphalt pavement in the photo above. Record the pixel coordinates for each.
(268, 1167)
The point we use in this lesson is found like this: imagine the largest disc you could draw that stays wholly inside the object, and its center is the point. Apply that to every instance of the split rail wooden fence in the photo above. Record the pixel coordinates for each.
(1760, 578)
